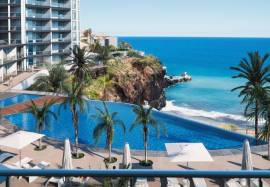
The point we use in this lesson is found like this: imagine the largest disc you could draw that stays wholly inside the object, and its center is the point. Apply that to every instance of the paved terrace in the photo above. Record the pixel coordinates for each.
(15, 81)
(13, 109)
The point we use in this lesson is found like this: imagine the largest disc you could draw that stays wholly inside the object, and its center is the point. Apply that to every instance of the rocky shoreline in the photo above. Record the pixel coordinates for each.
(139, 80)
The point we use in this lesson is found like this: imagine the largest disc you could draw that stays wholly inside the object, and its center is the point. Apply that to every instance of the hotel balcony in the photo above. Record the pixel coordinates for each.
(61, 28)
(12, 2)
(15, 41)
(40, 53)
(38, 3)
(38, 16)
(61, 40)
(61, 17)
(60, 5)
(15, 2)
(38, 28)
(60, 51)
(44, 41)
(14, 15)
(3, 29)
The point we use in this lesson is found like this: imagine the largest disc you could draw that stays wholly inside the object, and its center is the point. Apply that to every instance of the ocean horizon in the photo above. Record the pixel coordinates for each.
(208, 61)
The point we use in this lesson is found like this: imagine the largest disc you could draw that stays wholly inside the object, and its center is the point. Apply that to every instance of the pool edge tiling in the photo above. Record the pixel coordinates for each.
(179, 129)
(17, 99)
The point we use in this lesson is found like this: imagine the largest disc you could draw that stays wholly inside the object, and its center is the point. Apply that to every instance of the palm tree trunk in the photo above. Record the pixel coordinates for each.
(145, 145)
(40, 140)
(110, 152)
(76, 142)
(75, 123)
(40, 143)
(256, 120)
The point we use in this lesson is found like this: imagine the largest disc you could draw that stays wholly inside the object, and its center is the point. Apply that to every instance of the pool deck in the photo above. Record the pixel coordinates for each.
(13, 109)
(15, 81)
(94, 160)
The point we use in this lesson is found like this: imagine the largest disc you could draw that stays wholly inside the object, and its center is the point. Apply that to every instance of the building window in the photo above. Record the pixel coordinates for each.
(73, 14)
(74, 4)
(74, 25)
(74, 36)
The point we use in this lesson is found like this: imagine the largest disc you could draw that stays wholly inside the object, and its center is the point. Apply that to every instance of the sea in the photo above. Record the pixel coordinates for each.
(208, 60)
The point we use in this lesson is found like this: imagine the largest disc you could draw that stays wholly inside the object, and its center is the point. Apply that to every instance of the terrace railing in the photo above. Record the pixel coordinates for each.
(133, 174)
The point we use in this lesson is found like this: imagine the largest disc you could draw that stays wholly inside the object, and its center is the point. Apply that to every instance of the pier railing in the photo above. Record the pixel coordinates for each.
(133, 174)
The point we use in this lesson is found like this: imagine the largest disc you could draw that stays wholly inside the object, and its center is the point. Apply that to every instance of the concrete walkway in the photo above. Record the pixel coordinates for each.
(15, 81)
(13, 109)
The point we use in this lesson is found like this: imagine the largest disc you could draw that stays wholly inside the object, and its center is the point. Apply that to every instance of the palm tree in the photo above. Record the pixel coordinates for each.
(42, 115)
(145, 119)
(106, 123)
(255, 72)
(76, 103)
(81, 64)
(265, 114)
(54, 82)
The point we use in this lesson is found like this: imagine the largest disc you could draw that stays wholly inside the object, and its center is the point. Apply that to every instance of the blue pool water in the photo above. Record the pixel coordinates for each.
(17, 99)
(178, 129)
(208, 61)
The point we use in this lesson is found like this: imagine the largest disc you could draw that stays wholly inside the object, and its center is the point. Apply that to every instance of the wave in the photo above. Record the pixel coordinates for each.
(213, 115)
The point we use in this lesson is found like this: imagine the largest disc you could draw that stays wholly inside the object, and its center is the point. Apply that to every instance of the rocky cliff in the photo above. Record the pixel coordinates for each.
(132, 80)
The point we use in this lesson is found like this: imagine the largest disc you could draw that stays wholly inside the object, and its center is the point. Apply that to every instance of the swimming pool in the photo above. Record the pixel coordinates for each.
(178, 129)
(20, 98)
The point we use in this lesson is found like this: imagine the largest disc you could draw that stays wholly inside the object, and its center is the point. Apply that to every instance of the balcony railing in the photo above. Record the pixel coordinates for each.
(37, 3)
(12, 2)
(61, 16)
(12, 14)
(61, 28)
(60, 5)
(3, 28)
(39, 53)
(38, 15)
(37, 41)
(15, 2)
(61, 39)
(131, 175)
(15, 41)
(38, 28)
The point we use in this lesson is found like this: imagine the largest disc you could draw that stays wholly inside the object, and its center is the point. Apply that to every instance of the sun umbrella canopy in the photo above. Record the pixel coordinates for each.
(247, 157)
(67, 160)
(20, 139)
(188, 152)
(126, 156)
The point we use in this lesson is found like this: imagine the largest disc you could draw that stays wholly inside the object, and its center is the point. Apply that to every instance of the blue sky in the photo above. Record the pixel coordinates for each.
(227, 18)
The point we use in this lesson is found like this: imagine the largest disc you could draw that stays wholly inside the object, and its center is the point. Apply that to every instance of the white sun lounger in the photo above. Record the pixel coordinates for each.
(41, 165)
(141, 182)
(60, 181)
(24, 161)
(173, 182)
(232, 183)
(199, 182)
(255, 183)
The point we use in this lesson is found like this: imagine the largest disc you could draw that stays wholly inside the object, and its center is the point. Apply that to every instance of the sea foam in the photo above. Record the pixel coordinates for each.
(214, 115)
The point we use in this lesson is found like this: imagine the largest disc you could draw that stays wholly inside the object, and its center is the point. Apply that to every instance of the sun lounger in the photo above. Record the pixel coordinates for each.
(60, 181)
(199, 182)
(41, 165)
(232, 183)
(24, 161)
(255, 183)
(173, 182)
(141, 182)
(5, 156)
